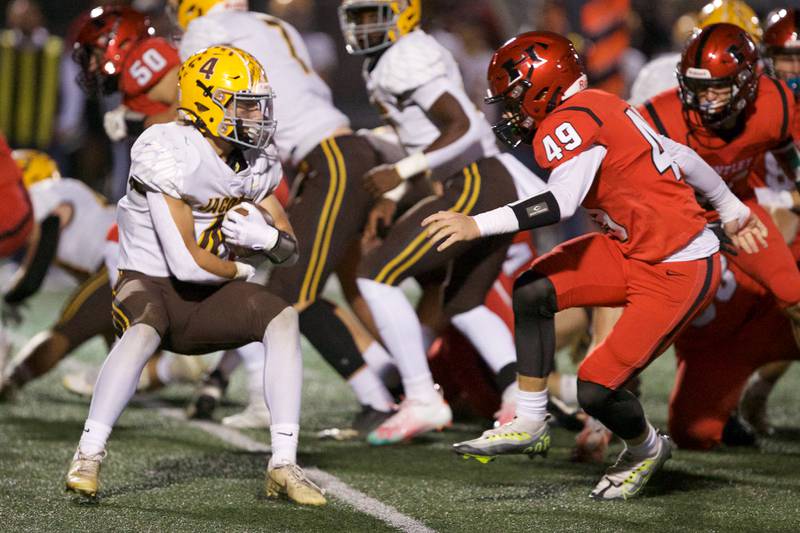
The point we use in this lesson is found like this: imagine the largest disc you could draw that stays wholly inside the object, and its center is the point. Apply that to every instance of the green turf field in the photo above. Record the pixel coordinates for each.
(163, 474)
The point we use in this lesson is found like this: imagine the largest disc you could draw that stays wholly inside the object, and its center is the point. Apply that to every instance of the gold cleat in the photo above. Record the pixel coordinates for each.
(289, 480)
(83, 475)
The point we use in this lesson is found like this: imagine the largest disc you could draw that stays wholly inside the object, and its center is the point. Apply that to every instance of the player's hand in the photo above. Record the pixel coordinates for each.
(249, 229)
(451, 227)
(114, 123)
(749, 236)
(378, 220)
(381, 179)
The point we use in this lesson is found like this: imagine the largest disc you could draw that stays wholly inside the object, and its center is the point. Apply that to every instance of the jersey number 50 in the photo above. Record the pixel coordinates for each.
(143, 69)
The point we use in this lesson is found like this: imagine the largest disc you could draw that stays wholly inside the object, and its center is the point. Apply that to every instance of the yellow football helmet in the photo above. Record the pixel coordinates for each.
(733, 12)
(372, 25)
(182, 12)
(224, 92)
(36, 166)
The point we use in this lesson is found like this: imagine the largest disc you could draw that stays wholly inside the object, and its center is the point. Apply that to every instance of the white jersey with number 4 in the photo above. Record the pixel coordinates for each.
(176, 160)
(81, 241)
(303, 103)
(407, 80)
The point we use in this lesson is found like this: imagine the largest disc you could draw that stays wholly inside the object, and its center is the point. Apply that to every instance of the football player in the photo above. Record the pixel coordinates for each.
(117, 51)
(415, 83)
(655, 258)
(739, 332)
(71, 224)
(326, 160)
(199, 190)
(732, 117)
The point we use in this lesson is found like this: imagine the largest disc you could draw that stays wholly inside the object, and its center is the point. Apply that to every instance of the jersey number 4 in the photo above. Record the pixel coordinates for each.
(661, 158)
(143, 69)
(568, 137)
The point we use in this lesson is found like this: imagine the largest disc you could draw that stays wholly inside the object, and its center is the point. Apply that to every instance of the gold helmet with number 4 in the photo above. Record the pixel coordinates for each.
(733, 12)
(36, 166)
(224, 93)
(182, 12)
(369, 26)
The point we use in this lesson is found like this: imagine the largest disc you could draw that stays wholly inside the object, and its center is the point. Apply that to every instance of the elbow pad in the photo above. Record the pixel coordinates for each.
(285, 250)
(537, 211)
(45, 253)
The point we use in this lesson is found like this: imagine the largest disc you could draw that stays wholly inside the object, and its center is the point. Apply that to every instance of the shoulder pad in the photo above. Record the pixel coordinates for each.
(201, 33)
(411, 62)
(162, 157)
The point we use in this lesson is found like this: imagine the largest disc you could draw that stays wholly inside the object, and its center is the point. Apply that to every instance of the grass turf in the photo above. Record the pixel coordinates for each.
(163, 475)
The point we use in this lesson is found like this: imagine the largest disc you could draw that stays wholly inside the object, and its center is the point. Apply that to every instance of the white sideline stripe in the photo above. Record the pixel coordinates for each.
(332, 484)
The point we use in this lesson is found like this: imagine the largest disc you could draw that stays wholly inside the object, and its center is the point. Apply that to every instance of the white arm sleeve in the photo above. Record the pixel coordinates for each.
(569, 184)
(706, 181)
(179, 260)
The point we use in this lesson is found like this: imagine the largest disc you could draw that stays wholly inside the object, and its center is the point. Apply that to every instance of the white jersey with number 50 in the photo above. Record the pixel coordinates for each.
(176, 160)
(303, 104)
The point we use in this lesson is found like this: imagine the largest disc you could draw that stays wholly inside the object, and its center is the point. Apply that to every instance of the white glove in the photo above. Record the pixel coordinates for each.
(244, 271)
(775, 199)
(114, 122)
(251, 231)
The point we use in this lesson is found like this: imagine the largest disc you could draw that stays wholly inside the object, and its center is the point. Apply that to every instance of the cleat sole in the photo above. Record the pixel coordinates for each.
(483, 459)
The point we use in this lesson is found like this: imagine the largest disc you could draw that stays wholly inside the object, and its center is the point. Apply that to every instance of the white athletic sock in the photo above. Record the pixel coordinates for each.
(94, 437)
(252, 356)
(164, 368)
(284, 443)
(283, 381)
(120, 373)
(532, 405)
(370, 390)
(401, 331)
(379, 360)
(489, 335)
(648, 447)
(568, 385)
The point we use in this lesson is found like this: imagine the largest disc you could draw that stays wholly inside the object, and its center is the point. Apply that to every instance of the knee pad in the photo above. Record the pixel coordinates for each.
(534, 294)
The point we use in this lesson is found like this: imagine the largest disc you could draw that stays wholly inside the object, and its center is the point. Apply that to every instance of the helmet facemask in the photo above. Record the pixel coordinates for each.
(515, 127)
(378, 32)
(716, 100)
(97, 77)
(247, 116)
(785, 65)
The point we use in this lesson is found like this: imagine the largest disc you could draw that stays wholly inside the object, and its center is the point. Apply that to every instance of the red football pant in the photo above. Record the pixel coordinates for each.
(711, 376)
(16, 219)
(773, 267)
(659, 300)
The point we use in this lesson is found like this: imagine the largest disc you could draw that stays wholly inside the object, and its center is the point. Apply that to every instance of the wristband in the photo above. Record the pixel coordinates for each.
(412, 165)
(396, 193)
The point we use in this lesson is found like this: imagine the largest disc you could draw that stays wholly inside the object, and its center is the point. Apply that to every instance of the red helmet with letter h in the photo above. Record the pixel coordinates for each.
(531, 75)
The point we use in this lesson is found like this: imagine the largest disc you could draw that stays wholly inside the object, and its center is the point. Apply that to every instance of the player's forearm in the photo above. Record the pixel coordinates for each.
(41, 252)
(185, 260)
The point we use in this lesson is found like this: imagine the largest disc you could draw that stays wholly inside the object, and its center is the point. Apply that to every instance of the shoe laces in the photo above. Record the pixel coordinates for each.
(89, 463)
(298, 475)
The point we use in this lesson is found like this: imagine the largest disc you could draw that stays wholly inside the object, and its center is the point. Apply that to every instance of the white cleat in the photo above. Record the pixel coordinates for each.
(413, 418)
(626, 478)
(81, 382)
(520, 436)
(254, 416)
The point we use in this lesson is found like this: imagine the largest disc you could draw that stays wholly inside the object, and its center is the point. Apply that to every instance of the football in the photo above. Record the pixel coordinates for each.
(241, 252)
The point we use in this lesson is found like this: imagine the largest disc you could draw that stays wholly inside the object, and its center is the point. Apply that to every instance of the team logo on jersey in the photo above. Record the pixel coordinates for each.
(220, 204)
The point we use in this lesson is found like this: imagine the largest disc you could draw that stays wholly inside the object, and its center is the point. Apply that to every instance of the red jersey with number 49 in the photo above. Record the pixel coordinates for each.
(739, 160)
(637, 196)
(147, 63)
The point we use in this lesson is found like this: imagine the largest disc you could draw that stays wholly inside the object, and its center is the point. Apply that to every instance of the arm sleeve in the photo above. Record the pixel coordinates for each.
(568, 185)
(706, 181)
(201, 33)
(33, 276)
(179, 259)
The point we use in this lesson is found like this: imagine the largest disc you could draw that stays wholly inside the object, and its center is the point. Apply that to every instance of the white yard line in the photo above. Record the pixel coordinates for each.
(332, 484)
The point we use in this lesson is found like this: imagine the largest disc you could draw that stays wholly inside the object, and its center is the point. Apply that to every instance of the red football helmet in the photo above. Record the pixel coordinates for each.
(103, 40)
(719, 57)
(782, 38)
(531, 75)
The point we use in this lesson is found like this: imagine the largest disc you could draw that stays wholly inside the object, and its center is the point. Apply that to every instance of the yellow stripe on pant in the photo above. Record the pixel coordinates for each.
(328, 217)
(466, 201)
(82, 293)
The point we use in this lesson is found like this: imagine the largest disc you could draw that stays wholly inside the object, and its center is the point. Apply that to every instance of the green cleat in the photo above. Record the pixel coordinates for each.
(519, 436)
